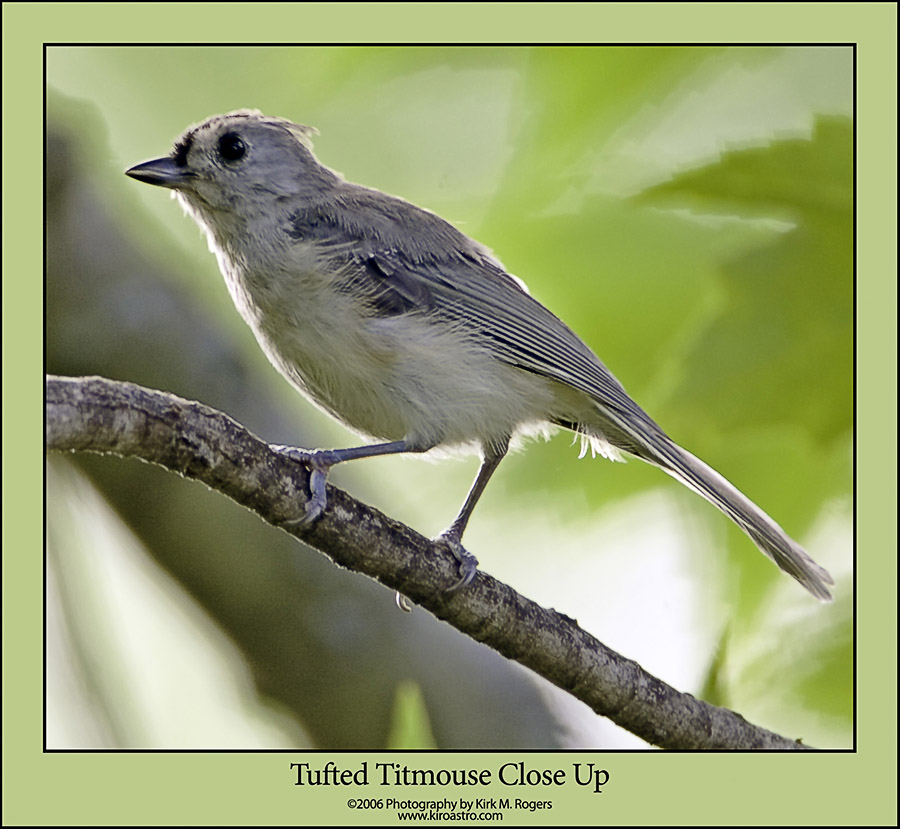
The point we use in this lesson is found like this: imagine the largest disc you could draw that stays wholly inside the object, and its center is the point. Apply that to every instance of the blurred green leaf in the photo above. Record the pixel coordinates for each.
(410, 725)
(783, 335)
(714, 689)
(804, 176)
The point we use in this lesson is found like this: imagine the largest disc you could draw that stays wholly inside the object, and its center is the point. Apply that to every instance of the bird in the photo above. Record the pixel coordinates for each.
(408, 331)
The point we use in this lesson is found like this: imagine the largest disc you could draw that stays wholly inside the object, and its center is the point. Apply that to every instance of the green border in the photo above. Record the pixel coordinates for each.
(253, 789)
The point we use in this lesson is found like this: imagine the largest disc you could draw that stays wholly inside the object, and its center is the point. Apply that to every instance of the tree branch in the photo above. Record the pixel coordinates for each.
(98, 415)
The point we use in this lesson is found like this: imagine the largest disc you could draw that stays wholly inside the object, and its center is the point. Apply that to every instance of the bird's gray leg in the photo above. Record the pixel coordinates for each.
(320, 461)
(452, 537)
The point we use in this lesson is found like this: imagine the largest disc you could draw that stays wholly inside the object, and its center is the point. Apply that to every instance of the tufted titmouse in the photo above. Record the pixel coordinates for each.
(405, 329)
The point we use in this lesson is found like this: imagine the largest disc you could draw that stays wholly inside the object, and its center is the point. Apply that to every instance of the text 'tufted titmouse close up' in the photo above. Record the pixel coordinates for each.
(405, 329)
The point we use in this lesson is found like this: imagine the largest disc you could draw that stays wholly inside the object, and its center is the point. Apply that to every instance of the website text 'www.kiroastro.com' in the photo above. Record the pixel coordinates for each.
(531, 789)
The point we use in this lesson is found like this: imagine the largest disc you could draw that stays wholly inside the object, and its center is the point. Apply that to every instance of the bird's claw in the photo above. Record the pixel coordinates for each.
(318, 464)
(468, 564)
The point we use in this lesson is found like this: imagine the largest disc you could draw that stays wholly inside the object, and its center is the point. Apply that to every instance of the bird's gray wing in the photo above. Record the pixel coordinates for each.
(476, 292)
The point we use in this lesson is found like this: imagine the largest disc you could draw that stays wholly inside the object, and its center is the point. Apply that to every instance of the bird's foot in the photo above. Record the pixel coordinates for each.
(318, 462)
(468, 564)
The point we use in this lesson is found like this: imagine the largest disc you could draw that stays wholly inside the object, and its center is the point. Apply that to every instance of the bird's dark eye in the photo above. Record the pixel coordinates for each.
(231, 148)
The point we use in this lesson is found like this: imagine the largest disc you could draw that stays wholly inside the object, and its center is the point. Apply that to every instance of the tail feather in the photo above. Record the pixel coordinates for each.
(765, 533)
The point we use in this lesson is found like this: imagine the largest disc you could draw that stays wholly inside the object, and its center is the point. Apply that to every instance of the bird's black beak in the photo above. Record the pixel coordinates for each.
(162, 172)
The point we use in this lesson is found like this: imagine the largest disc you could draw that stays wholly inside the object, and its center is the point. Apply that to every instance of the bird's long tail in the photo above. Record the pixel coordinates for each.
(766, 534)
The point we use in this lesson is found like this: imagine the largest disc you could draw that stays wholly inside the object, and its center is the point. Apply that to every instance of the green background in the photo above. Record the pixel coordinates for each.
(687, 211)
